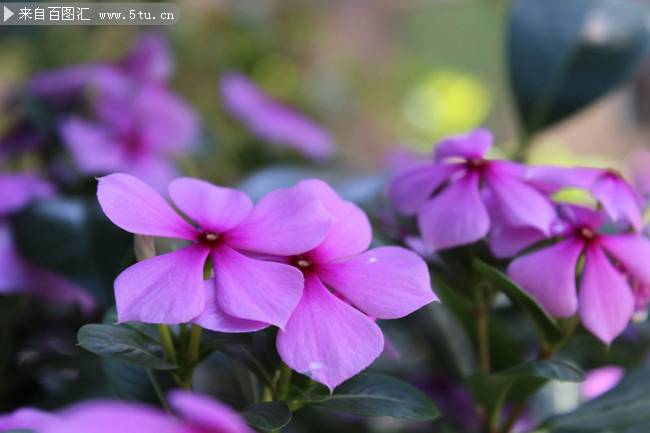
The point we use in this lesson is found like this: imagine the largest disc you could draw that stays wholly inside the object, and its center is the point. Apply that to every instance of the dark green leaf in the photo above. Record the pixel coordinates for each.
(267, 416)
(521, 380)
(546, 326)
(565, 54)
(371, 395)
(124, 343)
(623, 409)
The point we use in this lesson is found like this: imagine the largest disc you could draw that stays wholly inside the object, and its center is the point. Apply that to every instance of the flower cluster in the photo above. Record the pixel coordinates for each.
(195, 414)
(110, 116)
(298, 259)
(462, 198)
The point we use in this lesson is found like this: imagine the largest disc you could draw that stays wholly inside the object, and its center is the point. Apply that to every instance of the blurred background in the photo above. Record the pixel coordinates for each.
(557, 81)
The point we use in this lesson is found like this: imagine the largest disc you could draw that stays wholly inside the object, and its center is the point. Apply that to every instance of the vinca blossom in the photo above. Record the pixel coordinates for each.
(462, 195)
(331, 335)
(247, 293)
(195, 414)
(17, 274)
(619, 199)
(600, 380)
(605, 300)
(273, 121)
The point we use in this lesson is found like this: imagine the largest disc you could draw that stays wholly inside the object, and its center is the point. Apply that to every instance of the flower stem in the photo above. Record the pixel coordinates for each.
(194, 346)
(284, 383)
(158, 390)
(167, 343)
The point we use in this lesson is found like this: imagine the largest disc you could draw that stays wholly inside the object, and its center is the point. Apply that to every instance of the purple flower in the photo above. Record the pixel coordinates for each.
(273, 121)
(18, 275)
(195, 414)
(250, 293)
(600, 380)
(617, 197)
(459, 196)
(20, 189)
(138, 130)
(605, 301)
(331, 335)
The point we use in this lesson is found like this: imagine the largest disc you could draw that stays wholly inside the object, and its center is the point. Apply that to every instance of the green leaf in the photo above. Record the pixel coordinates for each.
(372, 395)
(546, 326)
(124, 343)
(565, 54)
(522, 380)
(623, 409)
(267, 416)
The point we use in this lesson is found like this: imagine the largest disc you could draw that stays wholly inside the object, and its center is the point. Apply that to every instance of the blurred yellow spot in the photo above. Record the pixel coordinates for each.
(575, 196)
(447, 102)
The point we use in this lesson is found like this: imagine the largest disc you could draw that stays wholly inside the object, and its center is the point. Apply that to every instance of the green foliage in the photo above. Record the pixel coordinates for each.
(267, 416)
(565, 54)
(372, 395)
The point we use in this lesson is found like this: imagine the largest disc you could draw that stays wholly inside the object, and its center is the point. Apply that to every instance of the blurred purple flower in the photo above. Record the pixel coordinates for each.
(273, 121)
(458, 196)
(605, 301)
(331, 335)
(196, 414)
(247, 293)
(18, 275)
(138, 130)
(617, 197)
(600, 380)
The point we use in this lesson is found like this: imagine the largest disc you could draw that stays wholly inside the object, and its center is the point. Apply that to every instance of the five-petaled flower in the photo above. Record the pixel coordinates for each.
(605, 301)
(247, 292)
(462, 195)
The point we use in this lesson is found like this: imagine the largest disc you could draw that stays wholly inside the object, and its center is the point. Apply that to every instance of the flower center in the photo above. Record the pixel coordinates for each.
(208, 238)
(586, 233)
(475, 163)
(302, 263)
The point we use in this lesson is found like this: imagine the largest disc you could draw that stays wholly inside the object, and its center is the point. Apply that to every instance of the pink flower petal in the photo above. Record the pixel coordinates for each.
(520, 204)
(20, 189)
(327, 339)
(552, 179)
(135, 207)
(549, 275)
(619, 200)
(214, 208)
(111, 416)
(285, 222)
(255, 289)
(206, 414)
(163, 289)
(410, 190)
(456, 216)
(632, 251)
(606, 300)
(215, 319)
(385, 282)
(474, 144)
(350, 232)
(29, 419)
(94, 147)
(600, 380)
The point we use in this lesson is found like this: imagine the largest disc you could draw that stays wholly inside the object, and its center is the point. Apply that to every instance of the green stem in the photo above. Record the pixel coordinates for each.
(483, 342)
(167, 343)
(284, 383)
(194, 346)
(513, 417)
(158, 390)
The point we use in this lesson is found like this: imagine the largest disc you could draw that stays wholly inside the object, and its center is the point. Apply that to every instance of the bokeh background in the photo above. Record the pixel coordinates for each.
(557, 81)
